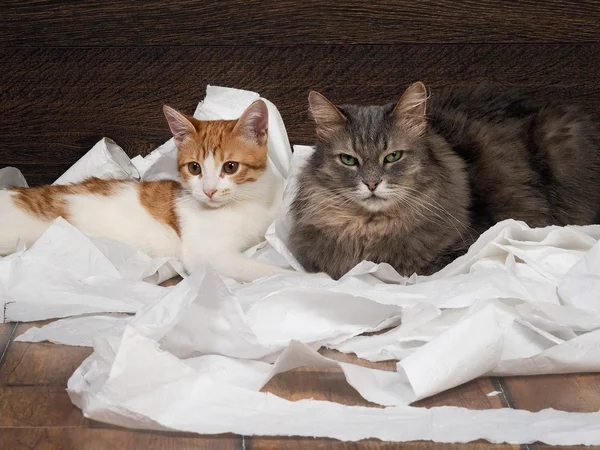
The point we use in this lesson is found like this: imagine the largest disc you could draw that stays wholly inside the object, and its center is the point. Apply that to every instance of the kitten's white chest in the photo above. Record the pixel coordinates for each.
(210, 234)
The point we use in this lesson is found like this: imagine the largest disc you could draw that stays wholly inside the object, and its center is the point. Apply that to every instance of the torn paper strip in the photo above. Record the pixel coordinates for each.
(77, 331)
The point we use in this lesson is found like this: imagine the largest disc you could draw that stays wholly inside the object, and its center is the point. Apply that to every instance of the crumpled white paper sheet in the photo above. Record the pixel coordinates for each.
(521, 301)
(213, 393)
(105, 160)
(11, 177)
(67, 273)
(77, 331)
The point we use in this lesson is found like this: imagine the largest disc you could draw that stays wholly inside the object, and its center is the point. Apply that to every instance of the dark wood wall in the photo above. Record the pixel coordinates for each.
(72, 72)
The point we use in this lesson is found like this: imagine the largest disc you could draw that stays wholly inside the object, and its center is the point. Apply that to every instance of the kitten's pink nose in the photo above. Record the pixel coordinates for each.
(210, 192)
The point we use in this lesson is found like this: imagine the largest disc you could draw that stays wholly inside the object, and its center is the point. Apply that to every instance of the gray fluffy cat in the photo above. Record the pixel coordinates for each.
(413, 184)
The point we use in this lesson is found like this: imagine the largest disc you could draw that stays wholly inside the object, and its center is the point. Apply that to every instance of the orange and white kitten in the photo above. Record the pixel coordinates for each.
(227, 198)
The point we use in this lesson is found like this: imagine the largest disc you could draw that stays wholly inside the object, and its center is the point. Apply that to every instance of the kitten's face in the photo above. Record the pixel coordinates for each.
(220, 161)
(370, 156)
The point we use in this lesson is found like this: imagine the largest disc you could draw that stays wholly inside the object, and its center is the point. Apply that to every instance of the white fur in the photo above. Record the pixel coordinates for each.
(366, 197)
(123, 218)
(216, 231)
(15, 224)
(120, 216)
(220, 234)
(212, 178)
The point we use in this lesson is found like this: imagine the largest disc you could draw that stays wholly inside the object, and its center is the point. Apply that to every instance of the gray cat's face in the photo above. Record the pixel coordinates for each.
(370, 156)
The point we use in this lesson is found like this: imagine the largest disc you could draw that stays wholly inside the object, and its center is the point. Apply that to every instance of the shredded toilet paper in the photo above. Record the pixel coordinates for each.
(522, 301)
(105, 160)
(11, 177)
(216, 389)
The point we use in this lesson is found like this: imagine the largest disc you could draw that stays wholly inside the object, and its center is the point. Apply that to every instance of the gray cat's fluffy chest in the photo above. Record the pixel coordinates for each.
(334, 238)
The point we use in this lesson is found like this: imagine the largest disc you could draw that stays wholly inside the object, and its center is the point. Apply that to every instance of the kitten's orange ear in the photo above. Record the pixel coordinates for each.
(327, 117)
(253, 124)
(410, 109)
(180, 125)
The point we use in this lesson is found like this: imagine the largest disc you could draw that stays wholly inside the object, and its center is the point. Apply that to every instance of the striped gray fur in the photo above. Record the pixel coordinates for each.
(470, 158)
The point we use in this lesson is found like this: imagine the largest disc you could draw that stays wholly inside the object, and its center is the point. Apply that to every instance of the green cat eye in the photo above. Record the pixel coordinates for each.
(348, 160)
(393, 157)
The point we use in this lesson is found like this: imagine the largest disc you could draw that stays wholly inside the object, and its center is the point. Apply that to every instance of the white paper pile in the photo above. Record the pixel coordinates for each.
(195, 348)
(521, 301)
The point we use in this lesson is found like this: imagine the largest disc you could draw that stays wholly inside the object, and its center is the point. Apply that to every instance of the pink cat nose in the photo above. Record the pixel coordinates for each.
(210, 192)
(372, 185)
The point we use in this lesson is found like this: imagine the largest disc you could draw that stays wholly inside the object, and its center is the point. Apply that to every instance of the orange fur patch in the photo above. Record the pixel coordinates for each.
(218, 138)
(158, 197)
(48, 202)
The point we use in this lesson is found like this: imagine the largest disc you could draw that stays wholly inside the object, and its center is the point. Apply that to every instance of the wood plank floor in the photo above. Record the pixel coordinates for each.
(36, 413)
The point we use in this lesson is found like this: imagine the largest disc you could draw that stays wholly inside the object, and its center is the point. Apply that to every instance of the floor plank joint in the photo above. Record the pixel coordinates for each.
(12, 327)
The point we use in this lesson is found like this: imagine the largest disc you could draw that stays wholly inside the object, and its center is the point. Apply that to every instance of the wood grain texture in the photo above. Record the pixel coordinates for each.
(539, 446)
(571, 392)
(43, 364)
(290, 22)
(55, 104)
(370, 444)
(66, 438)
(38, 406)
(7, 331)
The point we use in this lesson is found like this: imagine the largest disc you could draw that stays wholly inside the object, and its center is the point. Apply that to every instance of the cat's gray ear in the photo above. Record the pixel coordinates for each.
(411, 108)
(180, 125)
(328, 118)
(253, 124)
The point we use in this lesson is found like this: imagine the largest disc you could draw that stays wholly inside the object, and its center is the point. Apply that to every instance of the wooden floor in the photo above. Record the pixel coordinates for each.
(36, 413)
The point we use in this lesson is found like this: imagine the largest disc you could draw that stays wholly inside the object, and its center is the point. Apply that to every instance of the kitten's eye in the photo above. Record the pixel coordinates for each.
(348, 160)
(194, 168)
(393, 157)
(231, 167)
